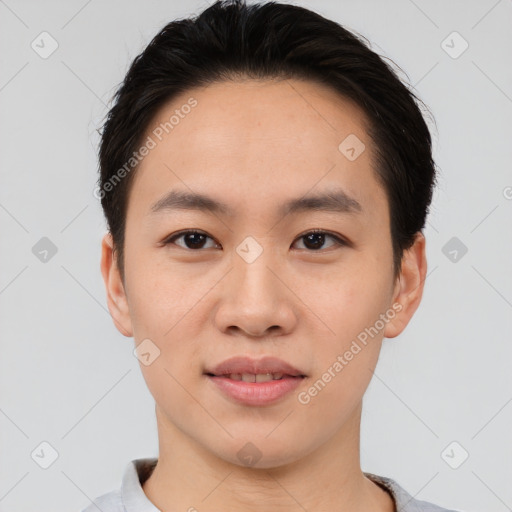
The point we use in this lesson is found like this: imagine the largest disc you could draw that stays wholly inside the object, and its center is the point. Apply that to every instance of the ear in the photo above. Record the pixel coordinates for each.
(408, 287)
(116, 297)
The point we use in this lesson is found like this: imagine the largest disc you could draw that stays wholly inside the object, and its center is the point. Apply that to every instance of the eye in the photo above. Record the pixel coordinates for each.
(194, 240)
(191, 239)
(315, 239)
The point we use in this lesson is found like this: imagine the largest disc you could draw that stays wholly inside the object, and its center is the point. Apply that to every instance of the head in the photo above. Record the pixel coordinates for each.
(254, 126)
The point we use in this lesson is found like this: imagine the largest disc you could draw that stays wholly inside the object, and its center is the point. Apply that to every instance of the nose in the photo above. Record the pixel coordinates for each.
(256, 300)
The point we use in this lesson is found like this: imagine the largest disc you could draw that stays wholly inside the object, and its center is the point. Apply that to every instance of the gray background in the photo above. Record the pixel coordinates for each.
(69, 378)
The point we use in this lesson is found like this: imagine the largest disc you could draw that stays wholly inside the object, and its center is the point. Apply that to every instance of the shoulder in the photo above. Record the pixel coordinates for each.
(403, 500)
(129, 497)
(109, 502)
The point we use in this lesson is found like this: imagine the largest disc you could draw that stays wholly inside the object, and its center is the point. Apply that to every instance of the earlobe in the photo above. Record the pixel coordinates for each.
(116, 297)
(409, 286)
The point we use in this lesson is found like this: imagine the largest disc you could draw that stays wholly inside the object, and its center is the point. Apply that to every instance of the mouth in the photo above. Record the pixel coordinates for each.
(255, 382)
(247, 369)
(253, 377)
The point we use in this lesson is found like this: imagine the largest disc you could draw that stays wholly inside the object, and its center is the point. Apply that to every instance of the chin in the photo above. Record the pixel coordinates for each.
(258, 452)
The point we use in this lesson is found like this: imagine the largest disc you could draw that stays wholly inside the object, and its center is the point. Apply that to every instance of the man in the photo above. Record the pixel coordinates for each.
(266, 179)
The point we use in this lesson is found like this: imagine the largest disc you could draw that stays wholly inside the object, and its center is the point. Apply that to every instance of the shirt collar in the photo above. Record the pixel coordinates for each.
(133, 496)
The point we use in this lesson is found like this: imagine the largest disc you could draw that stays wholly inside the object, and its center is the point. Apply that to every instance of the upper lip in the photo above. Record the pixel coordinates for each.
(254, 366)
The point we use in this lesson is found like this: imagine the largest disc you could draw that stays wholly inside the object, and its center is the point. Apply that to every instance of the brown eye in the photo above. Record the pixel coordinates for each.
(191, 240)
(315, 240)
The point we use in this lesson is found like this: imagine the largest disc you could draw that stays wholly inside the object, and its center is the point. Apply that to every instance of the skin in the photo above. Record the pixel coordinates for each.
(253, 145)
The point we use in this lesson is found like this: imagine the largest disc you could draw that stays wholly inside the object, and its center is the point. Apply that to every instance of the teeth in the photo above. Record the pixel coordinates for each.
(264, 377)
(260, 377)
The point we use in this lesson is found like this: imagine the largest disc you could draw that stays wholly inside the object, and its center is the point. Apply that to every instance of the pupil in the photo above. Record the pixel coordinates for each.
(196, 239)
(319, 237)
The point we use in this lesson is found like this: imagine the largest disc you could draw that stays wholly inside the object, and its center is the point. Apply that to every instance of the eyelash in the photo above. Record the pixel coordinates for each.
(170, 240)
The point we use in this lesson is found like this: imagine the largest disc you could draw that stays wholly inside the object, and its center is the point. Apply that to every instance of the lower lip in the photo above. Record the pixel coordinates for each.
(256, 393)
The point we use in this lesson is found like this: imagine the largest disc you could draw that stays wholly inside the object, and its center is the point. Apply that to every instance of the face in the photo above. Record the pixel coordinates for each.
(293, 287)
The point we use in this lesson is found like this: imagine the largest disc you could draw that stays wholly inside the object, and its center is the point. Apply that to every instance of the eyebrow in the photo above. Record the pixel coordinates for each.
(336, 201)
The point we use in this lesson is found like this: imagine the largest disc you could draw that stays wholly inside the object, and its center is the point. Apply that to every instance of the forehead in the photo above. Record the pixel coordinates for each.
(257, 141)
(280, 114)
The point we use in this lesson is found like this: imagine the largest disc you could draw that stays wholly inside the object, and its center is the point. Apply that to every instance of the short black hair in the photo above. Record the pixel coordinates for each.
(231, 40)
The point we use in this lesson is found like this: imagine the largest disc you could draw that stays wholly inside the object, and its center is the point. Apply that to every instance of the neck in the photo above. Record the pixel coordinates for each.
(189, 477)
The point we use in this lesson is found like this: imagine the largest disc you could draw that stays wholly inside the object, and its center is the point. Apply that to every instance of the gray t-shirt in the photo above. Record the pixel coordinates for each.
(131, 498)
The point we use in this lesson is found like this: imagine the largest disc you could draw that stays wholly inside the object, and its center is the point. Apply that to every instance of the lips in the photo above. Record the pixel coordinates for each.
(247, 366)
(255, 382)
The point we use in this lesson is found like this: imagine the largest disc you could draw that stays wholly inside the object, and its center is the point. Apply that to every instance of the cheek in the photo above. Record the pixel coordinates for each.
(163, 308)
(352, 307)
(158, 297)
(170, 388)
(345, 361)
(354, 300)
